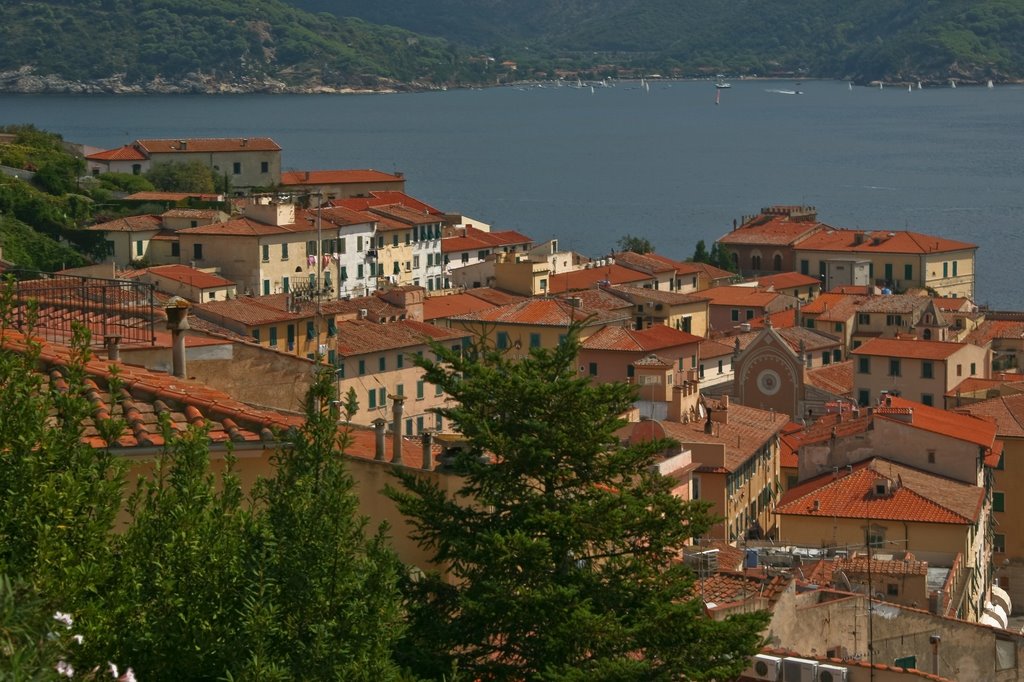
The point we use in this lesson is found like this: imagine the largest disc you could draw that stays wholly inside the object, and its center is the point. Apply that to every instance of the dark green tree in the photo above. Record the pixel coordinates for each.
(700, 253)
(562, 543)
(190, 176)
(635, 244)
(720, 258)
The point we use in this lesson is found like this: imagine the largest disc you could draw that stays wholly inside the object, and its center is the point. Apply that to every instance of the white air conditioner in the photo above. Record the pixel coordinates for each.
(799, 670)
(831, 673)
(766, 667)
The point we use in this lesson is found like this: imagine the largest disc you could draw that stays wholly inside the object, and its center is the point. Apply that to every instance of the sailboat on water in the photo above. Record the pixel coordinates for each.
(851, 85)
(952, 84)
(990, 85)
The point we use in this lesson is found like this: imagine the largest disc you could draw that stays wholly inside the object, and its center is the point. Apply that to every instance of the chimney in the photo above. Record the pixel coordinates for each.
(396, 428)
(182, 145)
(378, 432)
(306, 176)
(428, 456)
(245, 141)
(113, 344)
(177, 324)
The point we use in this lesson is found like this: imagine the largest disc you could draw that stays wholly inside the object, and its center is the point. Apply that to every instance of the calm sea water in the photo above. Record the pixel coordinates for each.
(667, 164)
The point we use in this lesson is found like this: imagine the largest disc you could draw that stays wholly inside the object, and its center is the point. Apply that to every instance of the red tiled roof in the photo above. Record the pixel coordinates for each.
(656, 337)
(644, 262)
(441, 307)
(812, 339)
(405, 214)
(247, 227)
(715, 349)
(784, 319)
(494, 296)
(730, 587)
(787, 280)
(146, 395)
(190, 276)
(385, 198)
(132, 223)
(908, 348)
(952, 304)
(126, 153)
(199, 213)
(894, 303)
(882, 241)
(358, 337)
(542, 312)
(738, 296)
(209, 144)
(965, 427)
(916, 496)
(247, 310)
(477, 240)
(340, 216)
(658, 295)
(337, 177)
(977, 384)
(747, 431)
(860, 565)
(989, 330)
(836, 378)
(589, 277)
(599, 299)
(1007, 411)
(780, 230)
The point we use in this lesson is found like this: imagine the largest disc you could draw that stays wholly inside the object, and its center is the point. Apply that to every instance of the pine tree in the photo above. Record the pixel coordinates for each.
(700, 253)
(562, 545)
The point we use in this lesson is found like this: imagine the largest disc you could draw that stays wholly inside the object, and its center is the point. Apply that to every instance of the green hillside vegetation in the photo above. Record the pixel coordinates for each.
(31, 250)
(223, 39)
(863, 39)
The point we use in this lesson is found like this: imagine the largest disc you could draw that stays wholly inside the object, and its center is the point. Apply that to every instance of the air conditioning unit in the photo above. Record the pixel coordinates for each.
(799, 670)
(831, 673)
(766, 667)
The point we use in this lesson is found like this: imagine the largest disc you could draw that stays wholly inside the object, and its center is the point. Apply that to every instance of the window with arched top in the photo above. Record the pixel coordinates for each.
(927, 335)
(777, 262)
(755, 261)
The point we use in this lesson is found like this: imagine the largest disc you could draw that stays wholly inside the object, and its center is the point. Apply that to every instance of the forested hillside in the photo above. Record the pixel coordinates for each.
(860, 39)
(258, 42)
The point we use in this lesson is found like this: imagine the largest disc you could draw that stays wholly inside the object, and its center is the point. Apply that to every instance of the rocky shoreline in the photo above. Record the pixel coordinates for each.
(27, 81)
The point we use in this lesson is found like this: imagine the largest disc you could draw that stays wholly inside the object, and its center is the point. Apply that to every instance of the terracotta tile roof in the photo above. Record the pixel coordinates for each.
(916, 496)
(587, 278)
(780, 230)
(730, 587)
(882, 241)
(990, 330)
(542, 312)
(653, 360)
(644, 262)
(599, 299)
(1007, 411)
(855, 289)
(787, 280)
(190, 276)
(250, 311)
(405, 214)
(209, 144)
(729, 558)
(339, 216)
(172, 196)
(441, 307)
(125, 153)
(494, 296)
(659, 295)
(656, 337)
(829, 301)
(132, 223)
(784, 319)
(908, 348)
(965, 427)
(337, 177)
(247, 227)
(747, 431)
(952, 304)
(386, 198)
(788, 447)
(715, 349)
(828, 425)
(977, 384)
(710, 271)
(812, 339)
(473, 239)
(145, 395)
(752, 297)
(894, 303)
(358, 337)
(377, 309)
(836, 378)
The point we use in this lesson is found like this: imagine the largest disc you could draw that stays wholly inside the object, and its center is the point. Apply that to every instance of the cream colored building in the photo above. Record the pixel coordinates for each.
(341, 184)
(923, 371)
(672, 308)
(129, 239)
(899, 260)
(246, 162)
(377, 361)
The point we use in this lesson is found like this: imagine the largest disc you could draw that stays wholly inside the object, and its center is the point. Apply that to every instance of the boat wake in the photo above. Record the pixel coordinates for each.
(785, 92)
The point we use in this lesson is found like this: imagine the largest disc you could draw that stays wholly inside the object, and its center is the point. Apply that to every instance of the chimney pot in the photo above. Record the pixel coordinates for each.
(113, 344)
(397, 409)
(378, 432)
(177, 323)
(428, 456)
